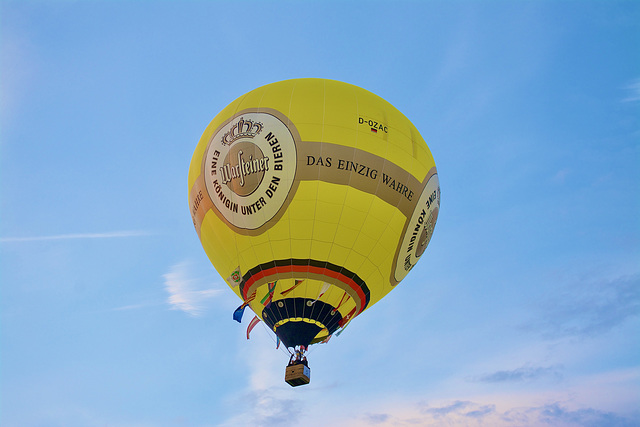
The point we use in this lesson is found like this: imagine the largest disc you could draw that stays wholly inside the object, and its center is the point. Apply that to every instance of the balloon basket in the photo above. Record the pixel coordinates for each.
(296, 375)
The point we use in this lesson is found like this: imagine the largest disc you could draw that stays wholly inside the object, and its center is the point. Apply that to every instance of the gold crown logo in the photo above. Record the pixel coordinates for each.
(242, 129)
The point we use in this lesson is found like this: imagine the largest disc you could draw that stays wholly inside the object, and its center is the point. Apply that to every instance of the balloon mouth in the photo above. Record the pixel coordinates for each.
(297, 321)
(294, 333)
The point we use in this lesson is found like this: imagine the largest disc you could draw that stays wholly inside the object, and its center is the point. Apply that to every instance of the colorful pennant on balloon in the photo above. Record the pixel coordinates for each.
(252, 325)
(269, 296)
(344, 299)
(297, 283)
(325, 286)
(237, 315)
(347, 318)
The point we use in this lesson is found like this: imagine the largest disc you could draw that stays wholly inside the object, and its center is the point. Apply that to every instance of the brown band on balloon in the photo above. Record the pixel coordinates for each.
(336, 164)
(199, 203)
(339, 164)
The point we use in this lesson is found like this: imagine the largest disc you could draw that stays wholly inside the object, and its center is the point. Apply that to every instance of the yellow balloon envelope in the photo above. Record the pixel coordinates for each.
(313, 198)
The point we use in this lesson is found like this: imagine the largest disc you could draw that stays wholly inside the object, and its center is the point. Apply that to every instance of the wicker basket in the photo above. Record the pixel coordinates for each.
(296, 375)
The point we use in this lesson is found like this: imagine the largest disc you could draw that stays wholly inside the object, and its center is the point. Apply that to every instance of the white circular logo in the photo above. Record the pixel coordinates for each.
(249, 168)
(420, 228)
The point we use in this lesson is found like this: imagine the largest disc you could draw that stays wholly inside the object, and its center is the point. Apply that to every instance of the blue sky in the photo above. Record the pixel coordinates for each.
(529, 292)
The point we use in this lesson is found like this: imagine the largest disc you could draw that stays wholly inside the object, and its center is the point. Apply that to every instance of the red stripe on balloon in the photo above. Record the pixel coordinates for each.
(306, 269)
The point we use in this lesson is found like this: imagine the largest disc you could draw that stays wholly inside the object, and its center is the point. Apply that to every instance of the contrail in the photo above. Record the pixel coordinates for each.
(110, 235)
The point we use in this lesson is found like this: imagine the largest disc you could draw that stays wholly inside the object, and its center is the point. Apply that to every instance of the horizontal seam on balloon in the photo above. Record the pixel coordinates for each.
(302, 266)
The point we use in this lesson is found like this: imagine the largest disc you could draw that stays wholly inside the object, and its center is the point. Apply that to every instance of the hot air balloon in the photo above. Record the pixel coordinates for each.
(313, 199)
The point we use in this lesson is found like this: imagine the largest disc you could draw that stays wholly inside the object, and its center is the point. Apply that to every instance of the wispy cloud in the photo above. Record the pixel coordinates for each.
(455, 407)
(135, 306)
(268, 408)
(589, 309)
(481, 411)
(459, 408)
(19, 68)
(107, 235)
(557, 414)
(607, 398)
(523, 374)
(376, 418)
(267, 401)
(185, 292)
(561, 176)
(456, 413)
(469, 413)
(633, 91)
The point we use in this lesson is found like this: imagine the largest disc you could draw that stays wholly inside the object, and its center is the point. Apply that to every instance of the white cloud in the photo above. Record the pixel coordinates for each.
(107, 235)
(134, 306)
(18, 70)
(633, 90)
(561, 176)
(522, 374)
(268, 408)
(267, 400)
(587, 401)
(185, 292)
(501, 412)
